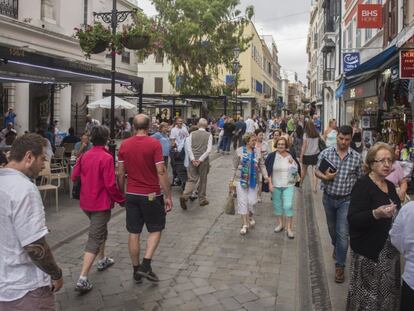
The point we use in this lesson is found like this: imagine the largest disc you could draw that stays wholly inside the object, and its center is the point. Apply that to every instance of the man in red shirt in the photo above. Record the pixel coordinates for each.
(140, 157)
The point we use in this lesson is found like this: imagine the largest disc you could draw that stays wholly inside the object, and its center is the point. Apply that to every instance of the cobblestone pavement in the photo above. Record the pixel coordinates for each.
(202, 261)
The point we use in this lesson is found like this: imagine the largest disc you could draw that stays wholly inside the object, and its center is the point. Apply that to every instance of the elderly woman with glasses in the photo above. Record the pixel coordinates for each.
(375, 267)
(247, 163)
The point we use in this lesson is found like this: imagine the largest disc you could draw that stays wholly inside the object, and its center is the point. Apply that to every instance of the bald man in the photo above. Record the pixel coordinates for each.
(140, 156)
(198, 149)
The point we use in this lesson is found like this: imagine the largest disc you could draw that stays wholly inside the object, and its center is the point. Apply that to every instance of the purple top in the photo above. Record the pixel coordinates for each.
(396, 175)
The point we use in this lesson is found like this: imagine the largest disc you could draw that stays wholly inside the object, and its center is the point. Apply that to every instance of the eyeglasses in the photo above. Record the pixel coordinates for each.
(384, 161)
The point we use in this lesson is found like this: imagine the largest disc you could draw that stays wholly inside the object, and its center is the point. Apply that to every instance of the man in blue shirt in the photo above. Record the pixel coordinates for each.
(162, 136)
(317, 122)
(9, 117)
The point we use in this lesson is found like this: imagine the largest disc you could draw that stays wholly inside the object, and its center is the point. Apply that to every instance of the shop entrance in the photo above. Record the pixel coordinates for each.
(38, 107)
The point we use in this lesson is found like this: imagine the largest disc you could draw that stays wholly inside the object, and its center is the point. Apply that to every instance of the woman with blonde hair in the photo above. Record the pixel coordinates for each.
(283, 170)
(330, 133)
(247, 163)
(375, 266)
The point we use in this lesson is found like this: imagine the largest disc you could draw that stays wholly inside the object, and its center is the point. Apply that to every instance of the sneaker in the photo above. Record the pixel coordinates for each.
(244, 230)
(252, 222)
(105, 263)
(83, 286)
(183, 203)
(290, 234)
(279, 228)
(339, 274)
(204, 203)
(147, 273)
(137, 278)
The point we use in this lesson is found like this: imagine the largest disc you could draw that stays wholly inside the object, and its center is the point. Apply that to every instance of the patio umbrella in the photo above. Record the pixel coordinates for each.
(105, 103)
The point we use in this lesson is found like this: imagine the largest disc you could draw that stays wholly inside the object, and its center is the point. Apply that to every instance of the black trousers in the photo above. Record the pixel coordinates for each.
(407, 297)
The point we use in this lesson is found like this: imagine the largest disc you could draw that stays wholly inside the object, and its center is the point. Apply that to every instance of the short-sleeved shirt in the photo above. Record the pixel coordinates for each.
(349, 169)
(396, 175)
(22, 221)
(140, 154)
(179, 134)
(312, 146)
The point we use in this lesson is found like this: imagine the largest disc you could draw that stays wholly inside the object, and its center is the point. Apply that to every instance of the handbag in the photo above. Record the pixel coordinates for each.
(76, 189)
(321, 144)
(229, 207)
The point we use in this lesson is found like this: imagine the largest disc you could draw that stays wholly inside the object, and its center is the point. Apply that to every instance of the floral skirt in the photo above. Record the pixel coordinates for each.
(375, 285)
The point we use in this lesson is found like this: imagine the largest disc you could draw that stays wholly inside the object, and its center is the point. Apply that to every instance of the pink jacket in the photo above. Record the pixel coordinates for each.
(99, 190)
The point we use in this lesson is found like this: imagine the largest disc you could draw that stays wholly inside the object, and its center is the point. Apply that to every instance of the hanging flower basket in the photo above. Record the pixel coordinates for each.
(135, 42)
(100, 46)
(93, 39)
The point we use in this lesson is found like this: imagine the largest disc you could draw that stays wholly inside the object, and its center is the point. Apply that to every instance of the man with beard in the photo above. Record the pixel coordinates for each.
(29, 274)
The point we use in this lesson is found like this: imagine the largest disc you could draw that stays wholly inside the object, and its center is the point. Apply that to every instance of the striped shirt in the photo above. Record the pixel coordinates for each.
(348, 171)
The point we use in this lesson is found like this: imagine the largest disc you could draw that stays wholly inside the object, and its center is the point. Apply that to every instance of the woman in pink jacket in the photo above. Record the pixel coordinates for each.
(98, 193)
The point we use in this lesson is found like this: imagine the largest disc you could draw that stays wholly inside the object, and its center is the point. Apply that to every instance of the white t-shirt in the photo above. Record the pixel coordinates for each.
(22, 221)
(282, 170)
(179, 134)
(312, 146)
(250, 126)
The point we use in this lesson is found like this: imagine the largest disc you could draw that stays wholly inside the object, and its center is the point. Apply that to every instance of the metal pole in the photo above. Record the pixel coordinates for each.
(114, 22)
(140, 98)
(52, 104)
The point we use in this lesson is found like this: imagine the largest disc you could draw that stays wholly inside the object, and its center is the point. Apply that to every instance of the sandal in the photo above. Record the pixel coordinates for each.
(244, 230)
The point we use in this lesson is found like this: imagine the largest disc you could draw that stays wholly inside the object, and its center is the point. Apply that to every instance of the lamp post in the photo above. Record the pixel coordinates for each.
(114, 18)
(236, 65)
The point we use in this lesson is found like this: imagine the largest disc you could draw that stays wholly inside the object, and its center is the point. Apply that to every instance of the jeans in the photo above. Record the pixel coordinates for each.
(336, 211)
(282, 199)
(226, 143)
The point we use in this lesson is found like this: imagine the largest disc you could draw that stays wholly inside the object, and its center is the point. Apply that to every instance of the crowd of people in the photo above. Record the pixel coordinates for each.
(364, 188)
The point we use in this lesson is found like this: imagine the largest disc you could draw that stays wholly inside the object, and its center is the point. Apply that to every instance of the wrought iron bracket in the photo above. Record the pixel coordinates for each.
(133, 87)
(121, 16)
(60, 86)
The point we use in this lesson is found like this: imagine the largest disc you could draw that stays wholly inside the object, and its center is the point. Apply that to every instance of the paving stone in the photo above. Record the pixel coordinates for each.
(246, 297)
(204, 290)
(230, 303)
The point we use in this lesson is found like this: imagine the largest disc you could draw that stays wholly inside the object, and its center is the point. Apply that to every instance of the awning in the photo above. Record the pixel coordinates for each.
(376, 63)
(20, 65)
(105, 103)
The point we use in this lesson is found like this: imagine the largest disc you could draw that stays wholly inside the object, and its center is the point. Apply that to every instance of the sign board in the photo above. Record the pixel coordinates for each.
(350, 61)
(407, 64)
(369, 16)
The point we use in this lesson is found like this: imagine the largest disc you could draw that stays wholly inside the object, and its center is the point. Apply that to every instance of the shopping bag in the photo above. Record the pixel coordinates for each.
(229, 207)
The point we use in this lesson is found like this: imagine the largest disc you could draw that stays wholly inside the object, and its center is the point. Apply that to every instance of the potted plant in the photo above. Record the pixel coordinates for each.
(93, 39)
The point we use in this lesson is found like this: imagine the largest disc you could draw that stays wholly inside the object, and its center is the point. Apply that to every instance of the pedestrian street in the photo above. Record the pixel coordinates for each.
(202, 261)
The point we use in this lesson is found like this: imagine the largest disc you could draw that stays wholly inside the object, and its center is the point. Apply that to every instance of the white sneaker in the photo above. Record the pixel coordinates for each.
(252, 222)
(279, 228)
(243, 230)
(290, 234)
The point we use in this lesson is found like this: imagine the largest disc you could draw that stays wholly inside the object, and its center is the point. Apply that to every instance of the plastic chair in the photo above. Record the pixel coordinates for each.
(46, 183)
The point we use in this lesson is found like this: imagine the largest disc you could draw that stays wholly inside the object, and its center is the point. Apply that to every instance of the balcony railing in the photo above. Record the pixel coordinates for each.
(329, 74)
(9, 8)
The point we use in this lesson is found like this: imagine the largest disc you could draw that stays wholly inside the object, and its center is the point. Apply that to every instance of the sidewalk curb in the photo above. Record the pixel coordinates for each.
(80, 232)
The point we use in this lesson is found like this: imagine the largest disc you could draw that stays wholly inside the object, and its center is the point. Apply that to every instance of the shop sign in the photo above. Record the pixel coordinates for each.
(366, 89)
(351, 61)
(407, 64)
(369, 16)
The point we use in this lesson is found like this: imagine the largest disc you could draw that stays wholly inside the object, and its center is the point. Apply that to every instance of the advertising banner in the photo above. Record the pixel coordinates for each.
(369, 16)
(350, 61)
(407, 64)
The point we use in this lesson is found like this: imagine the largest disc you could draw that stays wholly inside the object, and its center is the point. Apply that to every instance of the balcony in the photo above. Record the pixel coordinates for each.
(9, 8)
(329, 74)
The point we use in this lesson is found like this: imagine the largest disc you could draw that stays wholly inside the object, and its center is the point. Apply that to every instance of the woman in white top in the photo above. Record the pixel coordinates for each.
(284, 175)
(247, 163)
(330, 133)
(310, 151)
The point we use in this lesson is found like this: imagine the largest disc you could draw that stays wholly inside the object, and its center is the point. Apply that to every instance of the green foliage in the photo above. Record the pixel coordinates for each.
(89, 36)
(199, 37)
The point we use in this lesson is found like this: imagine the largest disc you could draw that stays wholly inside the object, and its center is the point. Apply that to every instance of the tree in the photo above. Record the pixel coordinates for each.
(199, 37)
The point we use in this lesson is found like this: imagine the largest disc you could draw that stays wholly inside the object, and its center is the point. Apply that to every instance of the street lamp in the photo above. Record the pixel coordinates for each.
(114, 18)
(236, 66)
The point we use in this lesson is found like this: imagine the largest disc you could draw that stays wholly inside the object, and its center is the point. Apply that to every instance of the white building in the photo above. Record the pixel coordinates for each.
(37, 50)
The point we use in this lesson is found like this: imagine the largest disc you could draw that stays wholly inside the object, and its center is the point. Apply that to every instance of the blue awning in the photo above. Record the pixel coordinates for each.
(375, 63)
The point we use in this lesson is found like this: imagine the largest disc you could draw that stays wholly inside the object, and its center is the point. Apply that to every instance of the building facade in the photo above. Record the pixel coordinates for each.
(44, 71)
